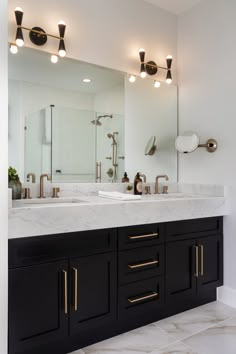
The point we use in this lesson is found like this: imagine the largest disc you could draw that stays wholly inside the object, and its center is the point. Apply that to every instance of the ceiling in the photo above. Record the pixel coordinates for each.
(174, 6)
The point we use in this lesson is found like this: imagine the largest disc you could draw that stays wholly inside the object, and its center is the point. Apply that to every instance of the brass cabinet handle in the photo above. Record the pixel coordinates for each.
(144, 264)
(202, 260)
(65, 291)
(196, 262)
(135, 300)
(143, 236)
(75, 288)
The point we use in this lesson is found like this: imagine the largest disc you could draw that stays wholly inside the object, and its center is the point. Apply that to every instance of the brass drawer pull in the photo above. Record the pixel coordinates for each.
(135, 300)
(202, 260)
(65, 291)
(140, 265)
(75, 270)
(143, 236)
(196, 274)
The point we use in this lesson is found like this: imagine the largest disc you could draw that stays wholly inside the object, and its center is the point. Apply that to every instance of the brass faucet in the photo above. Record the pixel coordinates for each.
(31, 175)
(41, 195)
(157, 180)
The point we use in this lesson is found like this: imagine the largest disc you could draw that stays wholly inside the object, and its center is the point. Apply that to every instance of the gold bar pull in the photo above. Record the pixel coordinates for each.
(202, 260)
(144, 236)
(75, 289)
(196, 274)
(135, 300)
(140, 265)
(65, 291)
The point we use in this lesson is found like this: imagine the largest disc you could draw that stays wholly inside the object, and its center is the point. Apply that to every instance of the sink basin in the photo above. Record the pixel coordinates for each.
(45, 201)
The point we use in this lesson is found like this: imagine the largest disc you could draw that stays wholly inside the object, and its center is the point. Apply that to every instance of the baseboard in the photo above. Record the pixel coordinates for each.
(227, 296)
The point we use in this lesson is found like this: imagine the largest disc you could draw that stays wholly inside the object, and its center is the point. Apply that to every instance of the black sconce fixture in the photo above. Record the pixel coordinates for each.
(151, 68)
(37, 36)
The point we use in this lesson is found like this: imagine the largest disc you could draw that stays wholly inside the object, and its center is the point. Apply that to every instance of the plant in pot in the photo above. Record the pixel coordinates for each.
(129, 189)
(14, 183)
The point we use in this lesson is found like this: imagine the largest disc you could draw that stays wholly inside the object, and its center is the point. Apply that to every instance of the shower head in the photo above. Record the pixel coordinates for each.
(112, 136)
(97, 121)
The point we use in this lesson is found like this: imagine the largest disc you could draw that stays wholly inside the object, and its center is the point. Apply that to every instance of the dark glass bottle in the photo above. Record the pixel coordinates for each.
(138, 187)
(125, 179)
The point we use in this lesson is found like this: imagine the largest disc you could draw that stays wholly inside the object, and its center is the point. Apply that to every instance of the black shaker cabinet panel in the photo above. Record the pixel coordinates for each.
(38, 311)
(93, 292)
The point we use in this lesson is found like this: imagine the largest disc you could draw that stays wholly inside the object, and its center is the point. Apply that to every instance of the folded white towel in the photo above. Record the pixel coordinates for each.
(119, 196)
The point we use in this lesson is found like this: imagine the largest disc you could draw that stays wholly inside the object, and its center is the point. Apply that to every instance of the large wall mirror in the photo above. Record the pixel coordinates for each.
(63, 125)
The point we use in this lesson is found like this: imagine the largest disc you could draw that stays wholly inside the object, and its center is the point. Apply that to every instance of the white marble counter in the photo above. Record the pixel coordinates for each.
(97, 213)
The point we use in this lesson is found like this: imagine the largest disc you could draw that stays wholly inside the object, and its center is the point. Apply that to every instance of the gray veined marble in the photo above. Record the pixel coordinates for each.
(190, 322)
(220, 339)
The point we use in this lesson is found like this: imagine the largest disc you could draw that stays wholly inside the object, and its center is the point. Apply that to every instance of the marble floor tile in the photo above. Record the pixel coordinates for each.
(176, 348)
(193, 321)
(143, 340)
(220, 339)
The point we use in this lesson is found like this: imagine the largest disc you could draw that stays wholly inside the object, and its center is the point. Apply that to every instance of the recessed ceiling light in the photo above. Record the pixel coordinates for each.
(87, 80)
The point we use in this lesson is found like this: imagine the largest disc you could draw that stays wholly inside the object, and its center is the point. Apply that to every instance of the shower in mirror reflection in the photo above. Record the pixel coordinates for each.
(97, 120)
(114, 154)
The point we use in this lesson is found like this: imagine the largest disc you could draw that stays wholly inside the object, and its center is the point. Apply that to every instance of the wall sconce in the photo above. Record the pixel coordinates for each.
(37, 36)
(151, 68)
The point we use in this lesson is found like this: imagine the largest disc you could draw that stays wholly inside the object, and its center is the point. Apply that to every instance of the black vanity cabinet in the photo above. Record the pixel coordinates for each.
(37, 310)
(54, 305)
(194, 264)
(71, 290)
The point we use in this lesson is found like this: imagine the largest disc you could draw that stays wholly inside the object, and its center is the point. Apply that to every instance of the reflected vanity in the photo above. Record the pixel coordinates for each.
(66, 127)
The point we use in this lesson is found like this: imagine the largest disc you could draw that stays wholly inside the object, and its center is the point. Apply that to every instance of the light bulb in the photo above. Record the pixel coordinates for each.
(62, 53)
(132, 78)
(141, 50)
(19, 42)
(87, 81)
(18, 9)
(157, 84)
(143, 74)
(61, 23)
(169, 57)
(54, 58)
(13, 49)
(168, 81)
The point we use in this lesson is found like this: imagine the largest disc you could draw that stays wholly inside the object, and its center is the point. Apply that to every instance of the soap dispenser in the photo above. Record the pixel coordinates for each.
(125, 179)
(138, 186)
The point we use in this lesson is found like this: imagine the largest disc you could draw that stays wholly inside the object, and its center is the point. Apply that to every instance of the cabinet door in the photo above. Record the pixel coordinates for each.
(93, 292)
(210, 263)
(180, 269)
(37, 305)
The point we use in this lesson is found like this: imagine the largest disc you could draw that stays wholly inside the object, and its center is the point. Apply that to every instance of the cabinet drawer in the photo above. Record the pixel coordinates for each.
(180, 230)
(141, 297)
(41, 249)
(138, 264)
(140, 236)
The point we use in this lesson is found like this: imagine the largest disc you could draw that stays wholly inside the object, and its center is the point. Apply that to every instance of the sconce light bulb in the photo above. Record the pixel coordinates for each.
(19, 42)
(168, 81)
(62, 53)
(132, 78)
(61, 23)
(141, 50)
(13, 49)
(143, 74)
(157, 84)
(169, 57)
(18, 9)
(54, 58)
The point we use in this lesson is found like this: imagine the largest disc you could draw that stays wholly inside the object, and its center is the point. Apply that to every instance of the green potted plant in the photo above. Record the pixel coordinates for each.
(129, 189)
(14, 183)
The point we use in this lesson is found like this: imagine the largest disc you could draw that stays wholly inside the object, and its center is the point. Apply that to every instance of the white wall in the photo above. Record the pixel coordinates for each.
(207, 80)
(3, 177)
(104, 32)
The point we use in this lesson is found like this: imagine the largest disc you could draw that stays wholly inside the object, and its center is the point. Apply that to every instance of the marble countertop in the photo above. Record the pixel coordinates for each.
(93, 212)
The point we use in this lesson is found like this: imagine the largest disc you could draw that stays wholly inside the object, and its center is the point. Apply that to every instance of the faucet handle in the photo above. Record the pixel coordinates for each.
(55, 192)
(165, 189)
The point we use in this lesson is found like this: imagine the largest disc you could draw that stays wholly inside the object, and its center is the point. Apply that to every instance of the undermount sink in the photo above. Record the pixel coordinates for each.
(167, 196)
(45, 201)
